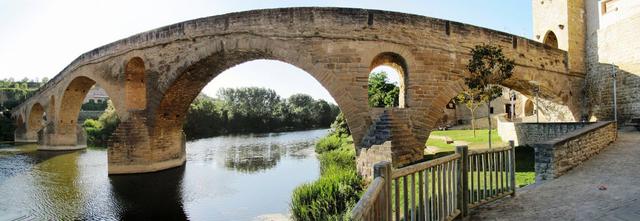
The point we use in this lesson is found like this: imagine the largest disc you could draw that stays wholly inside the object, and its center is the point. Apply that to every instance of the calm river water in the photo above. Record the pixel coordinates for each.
(225, 178)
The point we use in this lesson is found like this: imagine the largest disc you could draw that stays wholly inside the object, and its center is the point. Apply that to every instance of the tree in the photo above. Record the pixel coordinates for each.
(340, 127)
(488, 67)
(381, 92)
(99, 131)
(472, 100)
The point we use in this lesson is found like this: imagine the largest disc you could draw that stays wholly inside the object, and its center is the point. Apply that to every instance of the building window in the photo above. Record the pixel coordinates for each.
(609, 6)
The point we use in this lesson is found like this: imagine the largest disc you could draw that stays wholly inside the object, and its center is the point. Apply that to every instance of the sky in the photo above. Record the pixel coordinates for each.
(38, 38)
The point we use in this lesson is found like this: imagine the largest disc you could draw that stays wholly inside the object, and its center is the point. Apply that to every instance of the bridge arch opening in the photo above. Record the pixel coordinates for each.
(69, 122)
(550, 39)
(135, 87)
(388, 76)
(21, 129)
(36, 120)
(234, 72)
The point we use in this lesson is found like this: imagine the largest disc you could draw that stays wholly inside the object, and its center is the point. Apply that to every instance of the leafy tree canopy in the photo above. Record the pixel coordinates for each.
(381, 92)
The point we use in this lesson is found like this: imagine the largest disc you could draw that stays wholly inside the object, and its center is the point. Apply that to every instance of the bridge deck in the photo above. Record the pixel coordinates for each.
(577, 195)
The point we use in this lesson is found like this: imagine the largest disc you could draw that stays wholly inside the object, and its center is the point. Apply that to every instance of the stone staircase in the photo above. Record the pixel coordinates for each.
(405, 148)
(393, 126)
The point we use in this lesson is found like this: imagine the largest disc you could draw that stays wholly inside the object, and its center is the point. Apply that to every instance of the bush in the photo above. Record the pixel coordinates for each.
(329, 143)
(99, 131)
(340, 158)
(329, 198)
(337, 190)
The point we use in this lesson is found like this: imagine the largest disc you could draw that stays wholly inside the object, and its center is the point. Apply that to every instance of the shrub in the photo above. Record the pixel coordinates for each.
(329, 143)
(340, 158)
(337, 190)
(328, 198)
(99, 131)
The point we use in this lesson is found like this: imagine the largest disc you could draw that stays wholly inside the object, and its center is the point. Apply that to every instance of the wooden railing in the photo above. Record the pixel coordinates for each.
(440, 189)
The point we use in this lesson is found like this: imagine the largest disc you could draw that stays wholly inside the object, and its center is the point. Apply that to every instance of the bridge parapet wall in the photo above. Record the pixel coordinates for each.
(555, 157)
(532, 133)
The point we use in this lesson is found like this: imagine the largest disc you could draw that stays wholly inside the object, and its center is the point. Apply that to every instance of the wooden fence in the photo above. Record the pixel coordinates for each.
(439, 189)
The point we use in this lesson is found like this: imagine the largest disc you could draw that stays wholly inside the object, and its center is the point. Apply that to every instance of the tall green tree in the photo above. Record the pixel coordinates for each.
(488, 67)
(381, 92)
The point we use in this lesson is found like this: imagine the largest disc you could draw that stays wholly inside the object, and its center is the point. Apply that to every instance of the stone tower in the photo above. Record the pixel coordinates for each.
(562, 24)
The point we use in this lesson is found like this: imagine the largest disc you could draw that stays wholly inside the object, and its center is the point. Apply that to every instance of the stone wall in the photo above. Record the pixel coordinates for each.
(555, 157)
(612, 45)
(532, 133)
(367, 157)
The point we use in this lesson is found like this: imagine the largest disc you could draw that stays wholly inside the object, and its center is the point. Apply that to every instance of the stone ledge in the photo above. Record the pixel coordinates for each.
(576, 133)
(61, 148)
(25, 141)
(555, 157)
(146, 168)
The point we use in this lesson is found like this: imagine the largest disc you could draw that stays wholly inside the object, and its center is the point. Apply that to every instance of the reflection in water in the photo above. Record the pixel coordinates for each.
(157, 192)
(225, 178)
(249, 159)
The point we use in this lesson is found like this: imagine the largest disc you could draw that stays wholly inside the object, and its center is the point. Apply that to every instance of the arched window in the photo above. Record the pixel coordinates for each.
(528, 108)
(135, 87)
(551, 40)
(387, 80)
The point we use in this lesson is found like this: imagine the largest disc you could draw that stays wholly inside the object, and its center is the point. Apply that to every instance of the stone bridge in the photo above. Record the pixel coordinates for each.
(152, 77)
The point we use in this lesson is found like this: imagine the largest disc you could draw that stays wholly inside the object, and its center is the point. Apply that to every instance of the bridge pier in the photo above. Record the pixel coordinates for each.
(135, 148)
(23, 137)
(48, 139)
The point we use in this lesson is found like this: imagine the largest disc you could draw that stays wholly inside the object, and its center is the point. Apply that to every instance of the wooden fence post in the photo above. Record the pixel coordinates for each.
(463, 180)
(512, 170)
(383, 169)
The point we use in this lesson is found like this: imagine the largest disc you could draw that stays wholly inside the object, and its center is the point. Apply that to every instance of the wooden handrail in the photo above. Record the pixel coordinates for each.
(439, 189)
(368, 199)
(423, 165)
(487, 150)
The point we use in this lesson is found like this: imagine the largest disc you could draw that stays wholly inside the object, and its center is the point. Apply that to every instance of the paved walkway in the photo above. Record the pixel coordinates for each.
(577, 195)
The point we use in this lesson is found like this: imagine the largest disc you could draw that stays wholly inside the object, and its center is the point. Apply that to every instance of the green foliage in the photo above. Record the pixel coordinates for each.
(488, 66)
(7, 126)
(99, 131)
(329, 143)
(343, 158)
(336, 191)
(328, 198)
(339, 126)
(255, 110)
(12, 94)
(93, 106)
(381, 92)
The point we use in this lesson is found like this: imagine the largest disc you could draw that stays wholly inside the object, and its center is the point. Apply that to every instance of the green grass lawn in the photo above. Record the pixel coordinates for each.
(481, 140)
(525, 174)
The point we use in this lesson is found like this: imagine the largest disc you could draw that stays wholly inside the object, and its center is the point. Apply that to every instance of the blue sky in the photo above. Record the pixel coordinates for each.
(38, 38)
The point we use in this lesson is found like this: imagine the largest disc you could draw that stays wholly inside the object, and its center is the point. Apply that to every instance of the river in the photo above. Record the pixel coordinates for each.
(247, 177)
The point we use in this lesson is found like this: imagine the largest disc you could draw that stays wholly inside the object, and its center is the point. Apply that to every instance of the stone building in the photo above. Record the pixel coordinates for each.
(97, 94)
(457, 114)
(601, 37)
